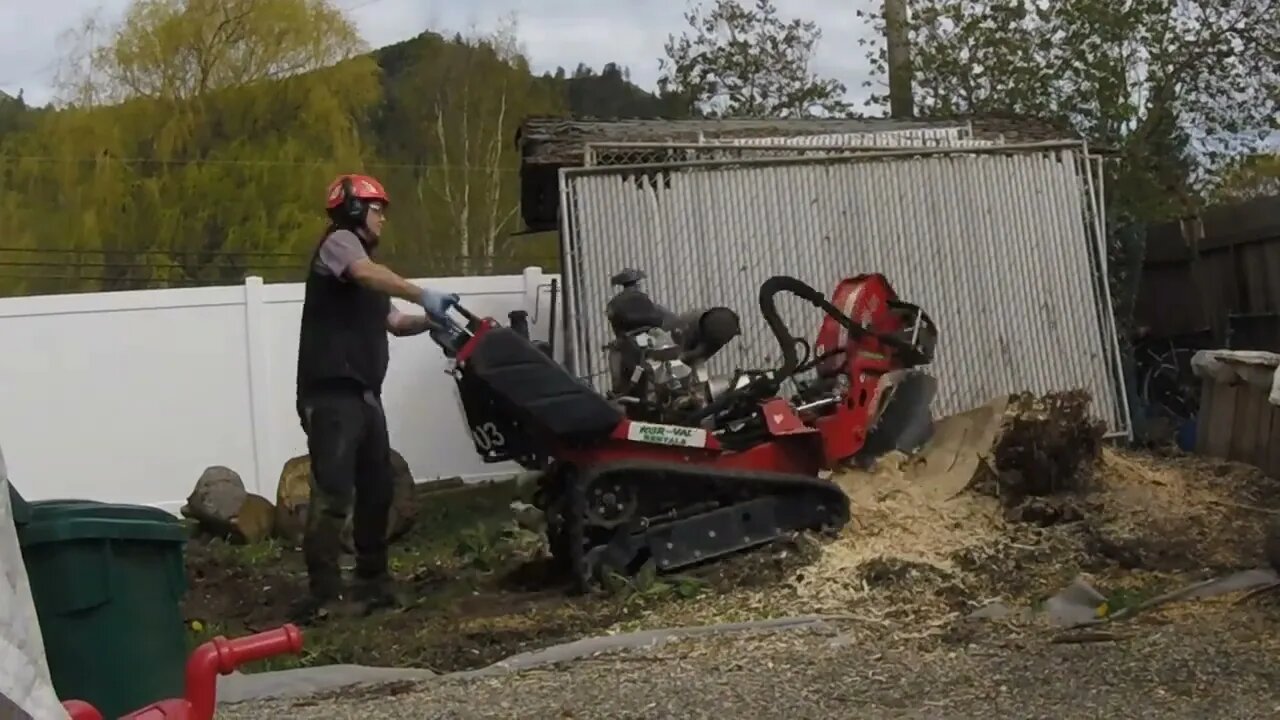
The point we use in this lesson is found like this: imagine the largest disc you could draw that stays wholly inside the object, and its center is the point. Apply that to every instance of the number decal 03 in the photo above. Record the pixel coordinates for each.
(488, 436)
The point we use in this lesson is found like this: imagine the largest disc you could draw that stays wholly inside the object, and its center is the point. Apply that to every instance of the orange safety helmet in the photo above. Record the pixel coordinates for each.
(349, 197)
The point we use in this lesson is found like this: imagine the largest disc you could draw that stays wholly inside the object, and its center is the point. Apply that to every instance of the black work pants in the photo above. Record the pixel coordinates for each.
(350, 476)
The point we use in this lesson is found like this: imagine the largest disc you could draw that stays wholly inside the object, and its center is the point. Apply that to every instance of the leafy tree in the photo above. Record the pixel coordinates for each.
(195, 138)
(458, 107)
(611, 94)
(1248, 177)
(15, 115)
(748, 62)
(1175, 85)
(200, 134)
(174, 50)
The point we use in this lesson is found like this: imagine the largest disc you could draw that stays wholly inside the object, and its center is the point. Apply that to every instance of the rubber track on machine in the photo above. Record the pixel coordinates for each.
(680, 478)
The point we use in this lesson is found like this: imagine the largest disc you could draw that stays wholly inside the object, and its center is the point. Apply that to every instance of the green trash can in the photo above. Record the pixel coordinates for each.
(107, 582)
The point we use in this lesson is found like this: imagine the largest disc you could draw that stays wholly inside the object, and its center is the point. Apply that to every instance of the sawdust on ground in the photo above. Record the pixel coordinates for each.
(1142, 514)
(930, 553)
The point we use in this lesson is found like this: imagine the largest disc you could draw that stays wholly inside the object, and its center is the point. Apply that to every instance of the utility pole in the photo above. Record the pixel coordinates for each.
(901, 100)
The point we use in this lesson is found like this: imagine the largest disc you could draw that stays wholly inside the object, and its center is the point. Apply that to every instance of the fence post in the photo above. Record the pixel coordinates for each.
(259, 366)
(533, 279)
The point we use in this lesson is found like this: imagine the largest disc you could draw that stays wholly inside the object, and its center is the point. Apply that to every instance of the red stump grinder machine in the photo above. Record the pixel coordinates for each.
(674, 467)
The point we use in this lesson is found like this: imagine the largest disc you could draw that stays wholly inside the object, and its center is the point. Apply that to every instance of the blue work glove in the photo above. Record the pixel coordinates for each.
(436, 303)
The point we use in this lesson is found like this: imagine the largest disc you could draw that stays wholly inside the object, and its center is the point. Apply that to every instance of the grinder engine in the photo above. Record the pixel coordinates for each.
(657, 358)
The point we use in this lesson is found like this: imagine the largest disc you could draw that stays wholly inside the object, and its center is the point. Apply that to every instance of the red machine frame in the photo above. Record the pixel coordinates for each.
(802, 442)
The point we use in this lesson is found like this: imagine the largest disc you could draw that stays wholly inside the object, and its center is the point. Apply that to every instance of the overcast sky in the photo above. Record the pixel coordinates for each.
(554, 32)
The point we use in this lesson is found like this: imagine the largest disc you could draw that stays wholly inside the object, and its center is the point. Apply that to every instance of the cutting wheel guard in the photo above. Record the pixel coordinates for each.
(912, 346)
(911, 343)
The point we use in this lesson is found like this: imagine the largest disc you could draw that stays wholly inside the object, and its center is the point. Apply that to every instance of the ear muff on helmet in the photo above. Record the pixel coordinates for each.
(353, 210)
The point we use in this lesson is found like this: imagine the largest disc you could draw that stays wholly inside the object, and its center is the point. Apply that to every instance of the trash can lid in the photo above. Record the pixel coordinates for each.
(19, 508)
(67, 520)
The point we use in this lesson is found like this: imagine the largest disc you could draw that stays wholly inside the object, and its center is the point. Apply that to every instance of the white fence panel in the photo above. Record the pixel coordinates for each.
(1002, 249)
(128, 396)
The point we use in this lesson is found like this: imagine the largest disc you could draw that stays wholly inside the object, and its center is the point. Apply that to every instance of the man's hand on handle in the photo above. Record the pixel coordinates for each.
(437, 304)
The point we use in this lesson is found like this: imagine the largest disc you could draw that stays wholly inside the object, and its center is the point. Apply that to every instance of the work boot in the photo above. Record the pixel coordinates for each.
(324, 593)
(375, 593)
(321, 550)
(312, 609)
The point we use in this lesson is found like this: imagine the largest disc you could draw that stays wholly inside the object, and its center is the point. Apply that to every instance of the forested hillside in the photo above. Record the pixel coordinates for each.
(204, 180)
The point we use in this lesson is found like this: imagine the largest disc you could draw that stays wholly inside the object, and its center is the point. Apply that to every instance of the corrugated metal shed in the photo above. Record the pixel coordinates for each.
(549, 143)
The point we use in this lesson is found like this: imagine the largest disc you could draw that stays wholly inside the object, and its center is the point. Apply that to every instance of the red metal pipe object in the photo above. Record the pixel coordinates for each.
(222, 656)
(219, 656)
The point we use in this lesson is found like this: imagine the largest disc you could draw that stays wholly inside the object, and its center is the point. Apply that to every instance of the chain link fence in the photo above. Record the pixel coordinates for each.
(612, 154)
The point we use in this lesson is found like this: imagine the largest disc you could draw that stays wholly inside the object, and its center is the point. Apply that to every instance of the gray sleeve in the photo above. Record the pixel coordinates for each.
(337, 253)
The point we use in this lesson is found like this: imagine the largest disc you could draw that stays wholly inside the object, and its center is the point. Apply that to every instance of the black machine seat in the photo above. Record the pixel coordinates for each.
(537, 390)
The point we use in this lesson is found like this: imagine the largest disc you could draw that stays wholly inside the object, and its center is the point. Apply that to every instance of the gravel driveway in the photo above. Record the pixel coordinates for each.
(1209, 660)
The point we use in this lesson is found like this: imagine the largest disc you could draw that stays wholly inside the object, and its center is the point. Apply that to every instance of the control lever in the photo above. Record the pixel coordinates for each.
(451, 335)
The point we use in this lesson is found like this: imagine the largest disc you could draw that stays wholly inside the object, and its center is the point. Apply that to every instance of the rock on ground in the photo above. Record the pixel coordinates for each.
(217, 495)
(216, 501)
(223, 507)
(254, 522)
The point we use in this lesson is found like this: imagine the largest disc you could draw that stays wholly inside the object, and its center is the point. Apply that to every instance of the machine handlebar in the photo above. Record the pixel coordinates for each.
(450, 334)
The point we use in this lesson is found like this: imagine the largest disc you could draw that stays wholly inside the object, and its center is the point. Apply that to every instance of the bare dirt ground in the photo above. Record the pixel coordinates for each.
(478, 587)
(903, 580)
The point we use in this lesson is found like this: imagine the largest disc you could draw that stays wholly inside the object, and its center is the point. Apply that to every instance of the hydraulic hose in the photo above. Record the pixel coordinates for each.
(769, 309)
(804, 291)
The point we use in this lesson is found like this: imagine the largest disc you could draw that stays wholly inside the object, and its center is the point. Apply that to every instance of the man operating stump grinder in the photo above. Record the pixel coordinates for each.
(342, 361)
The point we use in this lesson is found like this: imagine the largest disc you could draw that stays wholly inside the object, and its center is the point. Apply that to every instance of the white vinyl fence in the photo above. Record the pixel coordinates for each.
(1001, 244)
(129, 396)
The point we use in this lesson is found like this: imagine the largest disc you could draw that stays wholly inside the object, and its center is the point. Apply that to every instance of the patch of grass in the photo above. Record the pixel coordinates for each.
(268, 552)
(1126, 599)
(646, 587)
(489, 546)
(1134, 592)
(198, 634)
(447, 519)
